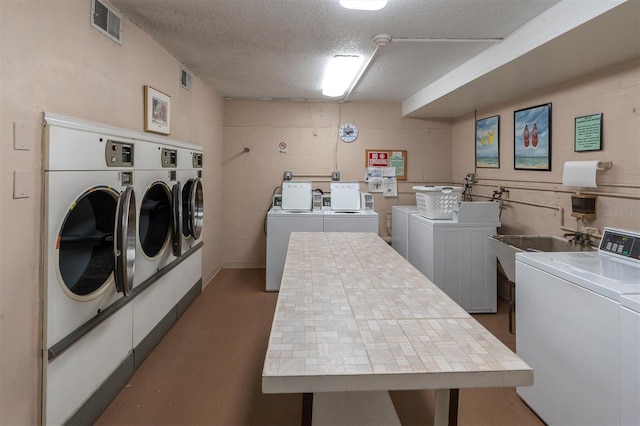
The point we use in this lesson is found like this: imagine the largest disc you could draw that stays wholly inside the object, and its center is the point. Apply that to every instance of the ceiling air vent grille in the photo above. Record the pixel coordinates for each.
(185, 78)
(106, 20)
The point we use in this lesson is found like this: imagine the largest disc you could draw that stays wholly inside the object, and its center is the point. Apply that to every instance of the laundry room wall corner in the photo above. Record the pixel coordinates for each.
(54, 61)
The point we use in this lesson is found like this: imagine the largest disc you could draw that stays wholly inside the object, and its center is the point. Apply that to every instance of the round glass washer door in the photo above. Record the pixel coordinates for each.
(86, 252)
(192, 208)
(154, 222)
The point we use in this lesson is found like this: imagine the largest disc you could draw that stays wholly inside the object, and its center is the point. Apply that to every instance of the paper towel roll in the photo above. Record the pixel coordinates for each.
(580, 173)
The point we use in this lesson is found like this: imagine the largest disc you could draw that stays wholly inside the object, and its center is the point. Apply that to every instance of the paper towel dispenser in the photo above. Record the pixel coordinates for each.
(583, 206)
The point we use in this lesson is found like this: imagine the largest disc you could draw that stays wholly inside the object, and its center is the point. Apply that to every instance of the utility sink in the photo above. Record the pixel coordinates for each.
(506, 247)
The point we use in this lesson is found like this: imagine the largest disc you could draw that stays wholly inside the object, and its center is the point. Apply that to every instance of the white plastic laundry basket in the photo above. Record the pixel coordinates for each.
(437, 202)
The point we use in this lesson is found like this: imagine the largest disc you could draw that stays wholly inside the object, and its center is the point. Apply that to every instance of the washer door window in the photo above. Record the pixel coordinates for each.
(85, 246)
(155, 219)
(192, 208)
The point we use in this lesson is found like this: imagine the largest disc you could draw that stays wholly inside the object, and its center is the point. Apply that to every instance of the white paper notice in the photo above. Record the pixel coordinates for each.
(375, 184)
(390, 186)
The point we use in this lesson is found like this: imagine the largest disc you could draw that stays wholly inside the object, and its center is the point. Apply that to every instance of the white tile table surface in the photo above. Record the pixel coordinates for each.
(354, 315)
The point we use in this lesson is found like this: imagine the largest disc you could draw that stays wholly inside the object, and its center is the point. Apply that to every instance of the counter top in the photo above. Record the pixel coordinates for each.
(354, 315)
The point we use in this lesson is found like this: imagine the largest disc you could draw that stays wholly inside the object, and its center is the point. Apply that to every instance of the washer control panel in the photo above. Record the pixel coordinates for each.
(621, 243)
(169, 157)
(119, 154)
(197, 160)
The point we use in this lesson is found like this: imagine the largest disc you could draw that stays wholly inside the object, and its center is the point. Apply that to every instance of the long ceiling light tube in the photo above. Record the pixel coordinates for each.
(362, 71)
(363, 4)
(339, 74)
(462, 40)
(379, 40)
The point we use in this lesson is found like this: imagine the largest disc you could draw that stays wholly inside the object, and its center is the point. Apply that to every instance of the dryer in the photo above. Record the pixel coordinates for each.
(89, 206)
(189, 271)
(190, 161)
(88, 258)
(158, 240)
(156, 185)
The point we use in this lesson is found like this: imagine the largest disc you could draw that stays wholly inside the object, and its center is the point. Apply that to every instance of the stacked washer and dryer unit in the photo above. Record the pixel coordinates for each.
(115, 275)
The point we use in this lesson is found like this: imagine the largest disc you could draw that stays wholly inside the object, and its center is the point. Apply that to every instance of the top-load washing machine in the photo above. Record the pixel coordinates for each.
(158, 189)
(573, 330)
(400, 228)
(88, 257)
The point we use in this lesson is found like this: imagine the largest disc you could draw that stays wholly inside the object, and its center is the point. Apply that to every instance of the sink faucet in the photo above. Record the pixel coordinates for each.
(497, 194)
(580, 239)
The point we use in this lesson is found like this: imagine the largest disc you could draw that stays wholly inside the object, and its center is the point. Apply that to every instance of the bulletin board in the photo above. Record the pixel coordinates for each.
(388, 158)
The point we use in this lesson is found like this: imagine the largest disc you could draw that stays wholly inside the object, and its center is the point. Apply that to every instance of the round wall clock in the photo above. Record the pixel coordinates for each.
(348, 132)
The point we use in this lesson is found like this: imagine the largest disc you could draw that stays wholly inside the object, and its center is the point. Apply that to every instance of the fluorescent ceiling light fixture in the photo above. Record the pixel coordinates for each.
(339, 74)
(363, 4)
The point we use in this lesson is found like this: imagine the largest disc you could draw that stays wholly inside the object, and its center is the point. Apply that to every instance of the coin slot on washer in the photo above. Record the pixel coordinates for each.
(169, 157)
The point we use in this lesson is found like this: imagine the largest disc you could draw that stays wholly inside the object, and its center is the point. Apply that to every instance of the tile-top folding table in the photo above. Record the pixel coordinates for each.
(354, 320)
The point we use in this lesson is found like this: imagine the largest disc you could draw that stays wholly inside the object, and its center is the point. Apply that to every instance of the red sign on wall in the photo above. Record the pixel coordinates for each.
(378, 158)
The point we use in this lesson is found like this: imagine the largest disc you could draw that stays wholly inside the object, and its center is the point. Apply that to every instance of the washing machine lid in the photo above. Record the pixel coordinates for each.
(604, 274)
(631, 301)
(125, 241)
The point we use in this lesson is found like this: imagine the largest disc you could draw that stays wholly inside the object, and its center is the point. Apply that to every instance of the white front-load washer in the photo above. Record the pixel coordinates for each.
(89, 260)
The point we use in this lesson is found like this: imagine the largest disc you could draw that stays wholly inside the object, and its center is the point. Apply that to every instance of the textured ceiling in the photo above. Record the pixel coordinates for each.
(277, 49)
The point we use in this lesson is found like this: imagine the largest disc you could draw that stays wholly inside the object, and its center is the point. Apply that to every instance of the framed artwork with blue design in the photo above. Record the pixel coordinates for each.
(488, 142)
(532, 138)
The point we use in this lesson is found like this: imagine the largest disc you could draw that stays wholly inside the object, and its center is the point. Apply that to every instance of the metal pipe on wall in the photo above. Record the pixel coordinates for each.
(568, 191)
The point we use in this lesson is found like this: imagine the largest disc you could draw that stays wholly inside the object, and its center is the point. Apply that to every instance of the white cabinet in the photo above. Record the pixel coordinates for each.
(570, 336)
(458, 258)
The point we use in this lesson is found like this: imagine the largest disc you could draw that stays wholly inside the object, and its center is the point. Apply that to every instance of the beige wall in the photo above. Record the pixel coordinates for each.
(615, 92)
(310, 131)
(52, 60)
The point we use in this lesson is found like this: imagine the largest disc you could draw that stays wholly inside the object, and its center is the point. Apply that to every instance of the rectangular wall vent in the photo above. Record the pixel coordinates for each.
(185, 78)
(107, 20)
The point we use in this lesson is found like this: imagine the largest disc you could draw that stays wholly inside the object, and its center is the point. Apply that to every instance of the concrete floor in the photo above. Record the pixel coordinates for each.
(207, 370)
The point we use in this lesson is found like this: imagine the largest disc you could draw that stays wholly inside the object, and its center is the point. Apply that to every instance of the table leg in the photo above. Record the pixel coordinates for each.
(512, 305)
(453, 407)
(446, 407)
(307, 409)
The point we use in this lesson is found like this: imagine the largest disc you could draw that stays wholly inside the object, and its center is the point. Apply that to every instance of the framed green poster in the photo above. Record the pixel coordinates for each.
(588, 133)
